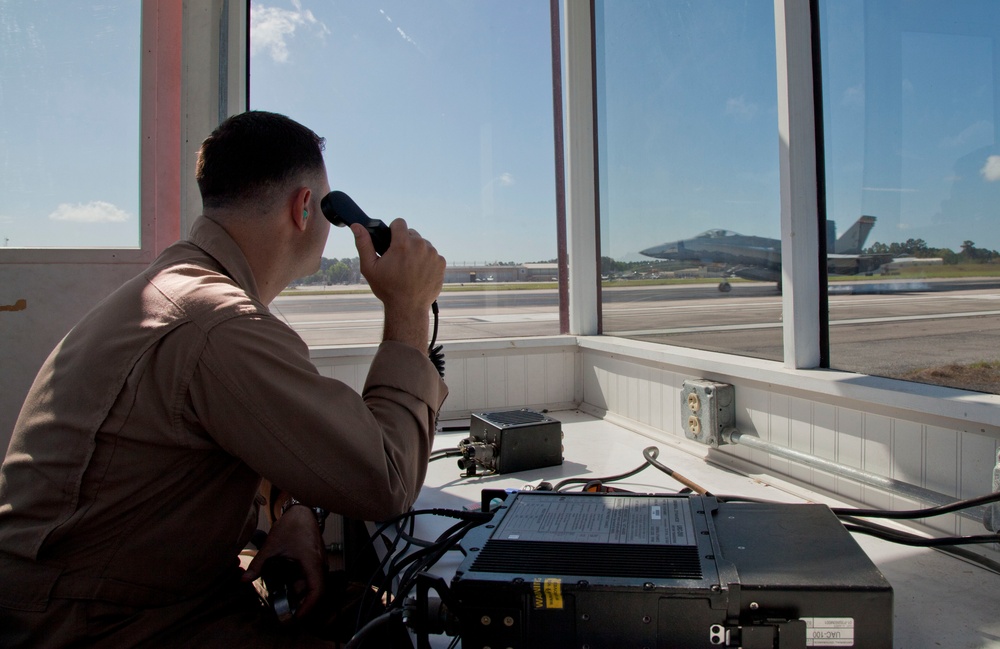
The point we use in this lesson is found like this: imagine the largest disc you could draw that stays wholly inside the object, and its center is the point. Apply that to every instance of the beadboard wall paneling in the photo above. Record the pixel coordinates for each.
(483, 375)
(776, 404)
(935, 438)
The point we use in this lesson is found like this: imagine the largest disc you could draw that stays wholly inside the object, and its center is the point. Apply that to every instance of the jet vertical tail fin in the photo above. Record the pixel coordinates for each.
(852, 241)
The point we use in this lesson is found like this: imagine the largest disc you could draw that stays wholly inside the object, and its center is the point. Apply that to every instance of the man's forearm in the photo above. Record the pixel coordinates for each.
(407, 326)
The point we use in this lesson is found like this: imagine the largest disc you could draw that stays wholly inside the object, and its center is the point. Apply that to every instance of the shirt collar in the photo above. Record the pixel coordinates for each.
(213, 239)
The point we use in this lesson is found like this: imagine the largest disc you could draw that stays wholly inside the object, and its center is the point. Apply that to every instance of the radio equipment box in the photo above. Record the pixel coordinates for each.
(510, 441)
(672, 572)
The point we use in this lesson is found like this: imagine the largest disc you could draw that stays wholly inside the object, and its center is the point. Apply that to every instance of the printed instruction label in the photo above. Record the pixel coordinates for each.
(829, 631)
(637, 520)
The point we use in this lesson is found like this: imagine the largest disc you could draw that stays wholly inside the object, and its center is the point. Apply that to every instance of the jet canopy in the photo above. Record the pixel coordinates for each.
(716, 234)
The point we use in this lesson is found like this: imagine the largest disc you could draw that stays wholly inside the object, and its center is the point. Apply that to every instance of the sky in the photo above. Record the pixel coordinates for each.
(928, 112)
(69, 123)
(440, 112)
(437, 112)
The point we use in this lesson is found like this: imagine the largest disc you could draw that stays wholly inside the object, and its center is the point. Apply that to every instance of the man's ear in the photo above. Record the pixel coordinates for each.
(299, 209)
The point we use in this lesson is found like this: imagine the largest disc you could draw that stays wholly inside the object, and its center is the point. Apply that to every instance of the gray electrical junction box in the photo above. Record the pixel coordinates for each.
(707, 409)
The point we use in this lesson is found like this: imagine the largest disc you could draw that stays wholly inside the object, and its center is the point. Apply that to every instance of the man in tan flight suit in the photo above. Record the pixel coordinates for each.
(129, 486)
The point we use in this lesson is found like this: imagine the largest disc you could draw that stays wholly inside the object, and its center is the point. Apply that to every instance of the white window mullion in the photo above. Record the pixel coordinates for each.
(581, 173)
(214, 73)
(799, 193)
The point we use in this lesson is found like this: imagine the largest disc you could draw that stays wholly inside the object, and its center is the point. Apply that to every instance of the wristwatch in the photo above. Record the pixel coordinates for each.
(318, 512)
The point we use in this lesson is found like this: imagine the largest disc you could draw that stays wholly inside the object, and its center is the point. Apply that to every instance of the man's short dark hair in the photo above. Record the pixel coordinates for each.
(251, 153)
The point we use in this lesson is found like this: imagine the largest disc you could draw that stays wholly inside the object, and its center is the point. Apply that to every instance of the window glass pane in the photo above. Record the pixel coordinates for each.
(69, 137)
(437, 112)
(911, 114)
(689, 174)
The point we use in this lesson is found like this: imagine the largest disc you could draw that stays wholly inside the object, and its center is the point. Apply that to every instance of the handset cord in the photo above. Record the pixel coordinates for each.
(436, 353)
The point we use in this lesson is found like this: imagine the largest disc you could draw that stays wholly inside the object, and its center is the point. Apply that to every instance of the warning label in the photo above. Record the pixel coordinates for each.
(548, 592)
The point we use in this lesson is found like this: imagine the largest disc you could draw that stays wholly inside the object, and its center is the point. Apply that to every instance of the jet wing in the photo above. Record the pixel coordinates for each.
(855, 264)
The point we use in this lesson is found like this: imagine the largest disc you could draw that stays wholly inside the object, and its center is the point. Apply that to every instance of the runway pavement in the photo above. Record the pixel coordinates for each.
(881, 328)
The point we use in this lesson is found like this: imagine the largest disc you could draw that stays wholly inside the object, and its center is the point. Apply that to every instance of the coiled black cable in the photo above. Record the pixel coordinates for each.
(436, 352)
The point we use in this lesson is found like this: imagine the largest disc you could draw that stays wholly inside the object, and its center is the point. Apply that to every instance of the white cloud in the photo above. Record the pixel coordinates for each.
(402, 34)
(270, 28)
(901, 190)
(991, 170)
(740, 107)
(854, 97)
(92, 212)
(506, 179)
(980, 132)
(405, 37)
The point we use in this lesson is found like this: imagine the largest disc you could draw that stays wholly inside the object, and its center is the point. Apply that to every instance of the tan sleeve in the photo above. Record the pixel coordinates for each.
(258, 395)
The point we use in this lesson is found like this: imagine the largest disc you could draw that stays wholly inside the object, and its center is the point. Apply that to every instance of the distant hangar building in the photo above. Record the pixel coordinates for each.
(466, 273)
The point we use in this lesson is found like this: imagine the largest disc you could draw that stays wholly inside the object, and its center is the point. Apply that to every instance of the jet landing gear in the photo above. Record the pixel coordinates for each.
(725, 287)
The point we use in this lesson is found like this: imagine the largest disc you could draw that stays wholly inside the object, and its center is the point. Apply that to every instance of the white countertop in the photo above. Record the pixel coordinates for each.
(939, 600)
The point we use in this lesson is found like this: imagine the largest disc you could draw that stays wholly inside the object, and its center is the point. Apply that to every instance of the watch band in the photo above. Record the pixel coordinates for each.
(318, 512)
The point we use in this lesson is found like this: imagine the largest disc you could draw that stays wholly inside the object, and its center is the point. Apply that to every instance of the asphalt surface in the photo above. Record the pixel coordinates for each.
(884, 328)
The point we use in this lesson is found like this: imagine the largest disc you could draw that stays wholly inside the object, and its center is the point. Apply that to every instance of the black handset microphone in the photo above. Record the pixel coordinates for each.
(341, 210)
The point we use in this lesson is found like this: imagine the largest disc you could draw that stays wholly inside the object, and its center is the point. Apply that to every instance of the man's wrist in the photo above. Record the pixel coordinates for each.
(410, 327)
(318, 512)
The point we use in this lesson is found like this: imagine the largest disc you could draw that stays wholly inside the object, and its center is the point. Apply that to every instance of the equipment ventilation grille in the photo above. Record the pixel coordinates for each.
(590, 559)
(511, 417)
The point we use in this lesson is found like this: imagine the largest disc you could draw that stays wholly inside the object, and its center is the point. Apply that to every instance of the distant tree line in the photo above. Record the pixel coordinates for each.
(348, 271)
(969, 253)
(334, 271)
(610, 266)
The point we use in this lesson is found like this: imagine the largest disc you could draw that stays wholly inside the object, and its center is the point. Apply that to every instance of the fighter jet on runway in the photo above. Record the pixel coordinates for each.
(759, 258)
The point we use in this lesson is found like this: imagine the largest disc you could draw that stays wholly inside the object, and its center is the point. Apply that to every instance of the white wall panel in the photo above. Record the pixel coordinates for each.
(976, 461)
(757, 406)
(482, 375)
(955, 461)
(802, 439)
(780, 428)
(595, 385)
(824, 441)
(516, 385)
(455, 374)
(538, 378)
(633, 388)
(55, 297)
(877, 456)
(496, 379)
(941, 460)
(475, 387)
(907, 452)
(850, 443)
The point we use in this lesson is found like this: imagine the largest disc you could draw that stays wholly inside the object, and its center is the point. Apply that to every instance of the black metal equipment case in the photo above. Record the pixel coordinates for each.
(614, 570)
